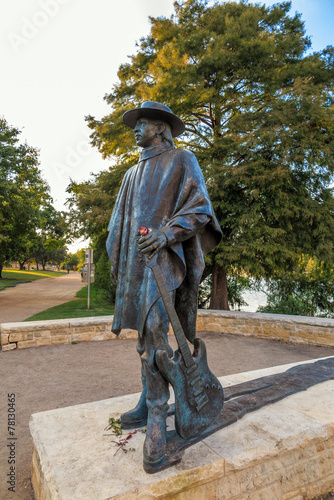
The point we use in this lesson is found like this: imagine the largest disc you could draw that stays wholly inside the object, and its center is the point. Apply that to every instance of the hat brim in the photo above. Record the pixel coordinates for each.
(131, 117)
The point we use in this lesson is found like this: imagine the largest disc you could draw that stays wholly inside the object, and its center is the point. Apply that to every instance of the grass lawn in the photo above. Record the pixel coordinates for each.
(99, 306)
(14, 276)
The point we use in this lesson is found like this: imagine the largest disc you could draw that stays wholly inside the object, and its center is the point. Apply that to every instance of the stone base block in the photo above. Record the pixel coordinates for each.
(282, 451)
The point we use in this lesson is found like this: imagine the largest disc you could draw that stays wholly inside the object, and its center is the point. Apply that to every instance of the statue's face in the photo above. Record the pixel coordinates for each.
(146, 132)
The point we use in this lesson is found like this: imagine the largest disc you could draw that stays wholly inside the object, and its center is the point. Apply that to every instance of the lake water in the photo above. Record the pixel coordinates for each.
(254, 300)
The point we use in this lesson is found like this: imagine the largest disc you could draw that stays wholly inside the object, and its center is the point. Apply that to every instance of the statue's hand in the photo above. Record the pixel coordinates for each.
(152, 242)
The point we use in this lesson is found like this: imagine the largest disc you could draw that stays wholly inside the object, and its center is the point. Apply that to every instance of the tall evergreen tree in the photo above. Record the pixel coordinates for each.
(259, 117)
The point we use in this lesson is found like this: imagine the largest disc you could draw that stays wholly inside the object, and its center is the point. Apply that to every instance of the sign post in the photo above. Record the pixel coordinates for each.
(89, 261)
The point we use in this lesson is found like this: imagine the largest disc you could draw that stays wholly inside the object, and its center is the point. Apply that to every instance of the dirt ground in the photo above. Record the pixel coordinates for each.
(49, 377)
(24, 300)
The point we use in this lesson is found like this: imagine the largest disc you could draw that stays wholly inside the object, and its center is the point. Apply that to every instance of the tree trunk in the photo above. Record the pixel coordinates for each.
(0, 271)
(219, 295)
(21, 265)
(36, 264)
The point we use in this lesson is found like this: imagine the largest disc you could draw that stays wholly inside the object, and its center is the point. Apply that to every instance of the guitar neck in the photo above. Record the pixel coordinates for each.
(176, 325)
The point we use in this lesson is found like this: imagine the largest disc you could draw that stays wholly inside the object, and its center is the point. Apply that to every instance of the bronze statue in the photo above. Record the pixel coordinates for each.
(165, 193)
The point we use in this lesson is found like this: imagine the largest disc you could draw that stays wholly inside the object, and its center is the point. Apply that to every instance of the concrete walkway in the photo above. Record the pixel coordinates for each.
(26, 299)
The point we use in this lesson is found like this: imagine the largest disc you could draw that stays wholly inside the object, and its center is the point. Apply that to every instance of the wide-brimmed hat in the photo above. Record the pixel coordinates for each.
(155, 110)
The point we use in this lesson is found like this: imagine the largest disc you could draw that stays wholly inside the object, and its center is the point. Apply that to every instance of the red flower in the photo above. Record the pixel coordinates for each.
(142, 230)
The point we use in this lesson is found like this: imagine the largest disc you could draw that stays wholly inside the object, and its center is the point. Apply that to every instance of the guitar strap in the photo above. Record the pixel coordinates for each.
(173, 317)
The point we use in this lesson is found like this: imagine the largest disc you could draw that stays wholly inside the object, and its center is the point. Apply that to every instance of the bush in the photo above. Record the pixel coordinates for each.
(302, 297)
(102, 277)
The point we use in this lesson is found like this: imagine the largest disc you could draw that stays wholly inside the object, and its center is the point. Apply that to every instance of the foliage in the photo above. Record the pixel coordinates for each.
(46, 250)
(204, 293)
(23, 193)
(30, 226)
(72, 260)
(81, 255)
(102, 277)
(236, 286)
(76, 259)
(114, 425)
(49, 243)
(307, 292)
(90, 205)
(259, 117)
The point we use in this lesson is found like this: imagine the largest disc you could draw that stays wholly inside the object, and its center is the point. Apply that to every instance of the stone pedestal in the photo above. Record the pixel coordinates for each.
(282, 451)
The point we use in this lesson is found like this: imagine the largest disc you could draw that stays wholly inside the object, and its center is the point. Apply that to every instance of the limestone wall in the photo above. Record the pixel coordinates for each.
(60, 331)
(298, 329)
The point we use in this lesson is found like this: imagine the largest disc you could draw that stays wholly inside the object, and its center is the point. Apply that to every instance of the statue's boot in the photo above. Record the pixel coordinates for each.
(137, 417)
(155, 441)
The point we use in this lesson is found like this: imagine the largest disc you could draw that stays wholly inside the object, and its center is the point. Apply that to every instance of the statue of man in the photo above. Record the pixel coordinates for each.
(166, 193)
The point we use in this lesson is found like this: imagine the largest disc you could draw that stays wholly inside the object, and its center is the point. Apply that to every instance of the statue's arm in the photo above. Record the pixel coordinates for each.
(184, 227)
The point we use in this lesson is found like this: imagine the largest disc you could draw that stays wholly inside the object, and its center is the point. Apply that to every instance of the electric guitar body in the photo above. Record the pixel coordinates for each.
(199, 396)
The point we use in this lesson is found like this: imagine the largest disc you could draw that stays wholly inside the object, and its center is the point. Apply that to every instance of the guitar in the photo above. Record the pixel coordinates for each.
(199, 396)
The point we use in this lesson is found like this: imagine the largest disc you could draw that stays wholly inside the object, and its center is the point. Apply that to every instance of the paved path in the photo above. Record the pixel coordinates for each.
(26, 299)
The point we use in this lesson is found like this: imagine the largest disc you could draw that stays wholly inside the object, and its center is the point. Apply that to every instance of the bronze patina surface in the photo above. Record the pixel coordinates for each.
(166, 194)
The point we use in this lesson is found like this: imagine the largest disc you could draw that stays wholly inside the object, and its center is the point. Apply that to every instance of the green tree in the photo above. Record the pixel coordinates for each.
(47, 240)
(72, 260)
(90, 205)
(76, 259)
(259, 117)
(81, 254)
(48, 250)
(52, 236)
(307, 291)
(23, 192)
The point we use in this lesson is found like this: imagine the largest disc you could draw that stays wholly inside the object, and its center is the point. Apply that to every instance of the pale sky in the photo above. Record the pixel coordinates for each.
(59, 58)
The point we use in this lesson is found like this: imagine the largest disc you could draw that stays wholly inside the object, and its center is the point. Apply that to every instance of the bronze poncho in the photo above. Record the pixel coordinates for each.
(165, 191)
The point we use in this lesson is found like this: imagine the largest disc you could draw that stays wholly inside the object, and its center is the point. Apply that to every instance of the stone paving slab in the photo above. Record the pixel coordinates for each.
(282, 451)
